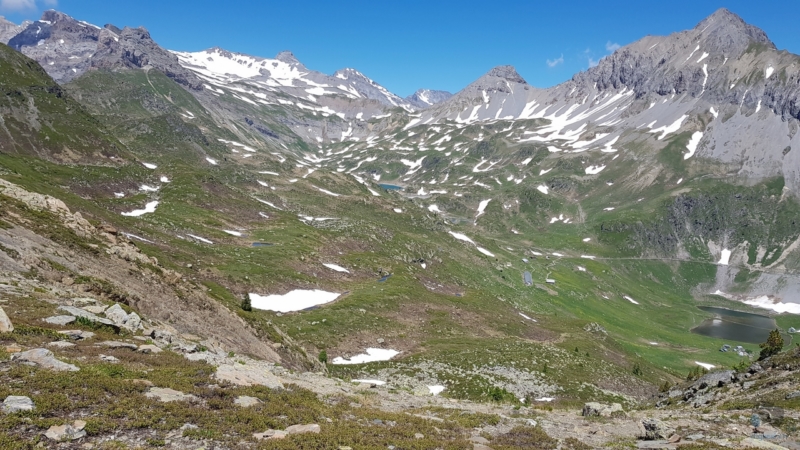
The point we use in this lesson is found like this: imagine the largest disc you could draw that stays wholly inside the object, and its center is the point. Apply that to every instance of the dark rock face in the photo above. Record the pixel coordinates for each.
(425, 98)
(136, 49)
(67, 48)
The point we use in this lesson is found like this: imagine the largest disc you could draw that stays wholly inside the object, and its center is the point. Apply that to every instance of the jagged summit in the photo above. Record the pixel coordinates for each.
(723, 22)
(506, 72)
(425, 98)
(287, 57)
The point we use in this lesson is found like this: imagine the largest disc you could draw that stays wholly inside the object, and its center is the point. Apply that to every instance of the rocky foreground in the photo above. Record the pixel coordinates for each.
(84, 365)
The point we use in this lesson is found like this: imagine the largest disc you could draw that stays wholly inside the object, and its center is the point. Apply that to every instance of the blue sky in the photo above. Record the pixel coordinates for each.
(405, 45)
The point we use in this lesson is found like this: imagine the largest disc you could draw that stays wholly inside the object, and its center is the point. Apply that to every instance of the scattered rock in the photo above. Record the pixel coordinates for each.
(149, 348)
(419, 436)
(245, 402)
(600, 409)
(141, 382)
(714, 379)
(96, 309)
(16, 403)
(66, 432)
(655, 429)
(760, 443)
(43, 358)
(674, 439)
(168, 395)
(61, 344)
(792, 395)
(78, 312)
(270, 434)
(300, 429)
(60, 320)
(5, 323)
(109, 358)
(122, 319)
(118, 344)
(244, 375)
(13, 348)
(77, 334)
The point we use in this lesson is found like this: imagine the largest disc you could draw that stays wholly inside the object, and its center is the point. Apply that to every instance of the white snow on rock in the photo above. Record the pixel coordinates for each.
(436, 390)
(594, 170)
(482, 207)
(526, 317)
(485, 252)
(119, 194)
(768, 73)
(706, 366)
(779, 307)
(434, 208)
(542, 188)
(213, 162)
(373, 192)
(295, 300)
(544, 399)
(149, 166)
(668, 129)
(588, 257)
(325, 191)
(148, 208)
(461, 237)
(147, 188)
(692, 145)
(610, 208)
(268, 204)
(233, 233)
(724, 257)
(336, 268)
(544, 171)
(375, 382)
(397, 210)
(587, 239)
(201, 239)
(630, 299)
(266, 172)
(371, 355)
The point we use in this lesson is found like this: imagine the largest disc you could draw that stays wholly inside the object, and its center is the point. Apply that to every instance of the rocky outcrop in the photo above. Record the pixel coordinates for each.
(602, 410)
(68, 432)
(43, 358)
(16, 403)
(247, 375)
(5, 322)
(134, 48)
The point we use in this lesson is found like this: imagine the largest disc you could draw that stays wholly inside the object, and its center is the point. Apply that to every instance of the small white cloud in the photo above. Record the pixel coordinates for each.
(24, 5)
(612, 46)
(17, 5)
(555, 62)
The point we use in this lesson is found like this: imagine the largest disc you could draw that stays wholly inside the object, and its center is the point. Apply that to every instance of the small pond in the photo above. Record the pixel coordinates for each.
(735, 325)
(262, 244)
(391, 187)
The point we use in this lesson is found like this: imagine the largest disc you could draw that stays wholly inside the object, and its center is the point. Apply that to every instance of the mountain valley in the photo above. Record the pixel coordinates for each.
(191, 231)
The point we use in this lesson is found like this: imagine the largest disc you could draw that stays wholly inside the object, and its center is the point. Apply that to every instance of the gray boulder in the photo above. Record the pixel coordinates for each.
(78, 312)
(245, 401)
(68, 432)
(168, 395)
(59, 320)
(117, 314)
(600, 409)
(5, 323)
(43, 358)
(246, 375)
(16, 403)
(655, 429)
(714, 379)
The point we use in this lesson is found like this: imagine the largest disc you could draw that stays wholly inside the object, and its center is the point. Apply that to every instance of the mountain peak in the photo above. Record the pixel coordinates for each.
(287, 57)
(728, 26)
(425, 98)
(506, 72)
